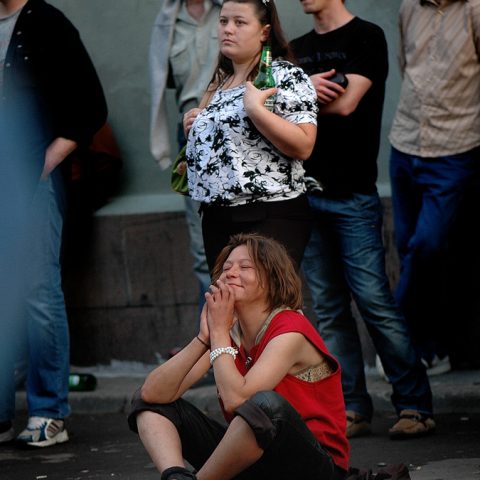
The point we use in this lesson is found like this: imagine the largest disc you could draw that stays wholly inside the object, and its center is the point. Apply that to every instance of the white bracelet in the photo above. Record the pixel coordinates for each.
(214, 354)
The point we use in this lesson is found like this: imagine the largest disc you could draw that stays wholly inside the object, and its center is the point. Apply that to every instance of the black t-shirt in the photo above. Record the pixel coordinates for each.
(344, 159)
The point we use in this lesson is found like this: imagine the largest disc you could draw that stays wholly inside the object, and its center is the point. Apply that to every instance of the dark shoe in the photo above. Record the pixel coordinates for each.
(411, 424)
(357, 426)
(178, 473)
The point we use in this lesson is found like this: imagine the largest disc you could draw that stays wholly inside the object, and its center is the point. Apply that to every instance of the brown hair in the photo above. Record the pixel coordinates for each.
(274, 266)
(267, 15)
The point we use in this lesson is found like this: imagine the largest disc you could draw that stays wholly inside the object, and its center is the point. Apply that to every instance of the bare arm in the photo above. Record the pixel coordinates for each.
(284, 354)
(56, 153)
(276, 361)
(171, 380)
(335, 100)
(293, 140)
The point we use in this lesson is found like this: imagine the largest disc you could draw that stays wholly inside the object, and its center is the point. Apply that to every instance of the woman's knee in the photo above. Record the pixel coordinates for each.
(144, 420)
(138, 407)
(263, 412)
(271, 403)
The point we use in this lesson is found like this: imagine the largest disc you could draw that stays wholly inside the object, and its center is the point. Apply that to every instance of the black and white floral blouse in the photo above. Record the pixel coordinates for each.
(230, 162)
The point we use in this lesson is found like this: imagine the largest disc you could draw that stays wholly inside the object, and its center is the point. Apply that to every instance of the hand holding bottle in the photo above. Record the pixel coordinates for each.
(255, 98)
(264, 79)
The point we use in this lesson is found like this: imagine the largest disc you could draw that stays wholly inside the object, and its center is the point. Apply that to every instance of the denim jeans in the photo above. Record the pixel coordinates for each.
(13, 220)
(194, 223)
(427, 194)
(46, 324)
(345, 258)
(200, 266)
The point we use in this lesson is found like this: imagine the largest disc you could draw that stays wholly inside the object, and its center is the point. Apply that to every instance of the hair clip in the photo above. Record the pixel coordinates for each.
(265, 2)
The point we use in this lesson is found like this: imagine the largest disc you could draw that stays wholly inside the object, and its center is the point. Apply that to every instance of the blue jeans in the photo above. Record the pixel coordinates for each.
(46, 323)
(194, 223)
(427, 194)
(345, 258)
(200, 265)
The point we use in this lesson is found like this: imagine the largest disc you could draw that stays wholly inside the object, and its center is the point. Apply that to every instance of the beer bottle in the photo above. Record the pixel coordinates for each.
(264, 79)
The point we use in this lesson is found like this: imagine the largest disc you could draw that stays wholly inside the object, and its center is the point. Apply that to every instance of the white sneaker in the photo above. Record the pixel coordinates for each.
(437, 366)
(6, 432)
(43, 432)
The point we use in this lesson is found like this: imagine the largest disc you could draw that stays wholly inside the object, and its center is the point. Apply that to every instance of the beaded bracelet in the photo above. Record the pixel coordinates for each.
(214, 354)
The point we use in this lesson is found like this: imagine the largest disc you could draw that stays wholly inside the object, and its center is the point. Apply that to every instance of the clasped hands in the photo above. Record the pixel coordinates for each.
(217, 317)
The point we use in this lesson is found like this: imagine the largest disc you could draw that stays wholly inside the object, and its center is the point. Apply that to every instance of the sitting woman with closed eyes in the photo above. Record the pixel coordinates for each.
(278, 386)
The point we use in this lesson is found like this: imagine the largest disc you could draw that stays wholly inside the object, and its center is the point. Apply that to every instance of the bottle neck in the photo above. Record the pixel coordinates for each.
(265, 62)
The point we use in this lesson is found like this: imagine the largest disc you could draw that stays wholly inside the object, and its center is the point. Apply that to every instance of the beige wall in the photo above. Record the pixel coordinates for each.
(117, 32)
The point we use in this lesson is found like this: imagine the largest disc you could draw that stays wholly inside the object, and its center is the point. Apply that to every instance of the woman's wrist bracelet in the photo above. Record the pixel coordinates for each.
(214, 354)
(203, 342)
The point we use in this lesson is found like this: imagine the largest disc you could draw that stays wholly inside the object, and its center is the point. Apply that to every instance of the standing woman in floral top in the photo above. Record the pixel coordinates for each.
(245, 162)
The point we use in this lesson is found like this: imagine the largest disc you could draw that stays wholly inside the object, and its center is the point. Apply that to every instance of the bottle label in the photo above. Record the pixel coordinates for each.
(270, 103)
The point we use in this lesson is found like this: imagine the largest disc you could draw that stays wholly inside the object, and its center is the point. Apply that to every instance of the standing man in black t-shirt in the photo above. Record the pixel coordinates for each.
(345, 257)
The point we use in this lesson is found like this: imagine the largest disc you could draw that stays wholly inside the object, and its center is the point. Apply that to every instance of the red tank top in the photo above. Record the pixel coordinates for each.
(320, 403)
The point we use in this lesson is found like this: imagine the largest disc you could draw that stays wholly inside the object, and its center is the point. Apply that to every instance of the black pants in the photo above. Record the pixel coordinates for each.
(287, 221)
(290, 449)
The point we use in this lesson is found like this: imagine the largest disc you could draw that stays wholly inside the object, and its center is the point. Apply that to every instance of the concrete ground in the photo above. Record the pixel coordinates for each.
(102, 447)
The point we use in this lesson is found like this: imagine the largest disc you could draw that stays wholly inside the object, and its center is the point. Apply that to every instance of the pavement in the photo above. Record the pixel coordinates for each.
(101, 447)
(453, 392)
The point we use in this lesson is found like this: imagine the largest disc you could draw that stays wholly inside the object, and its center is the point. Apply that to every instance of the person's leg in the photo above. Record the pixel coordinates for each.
(194, 223)
(216, 231)
(324, 268)
(7, 377)
(268, 439)
(289, 222)
(47, 384)
(406, 199)
(237, 451)
(160, 439)
(363, 255)
(265, 423)
(15, 198)
(11, 324)
(180, 431)
(441, 183)
(289, 447)
(200, 266)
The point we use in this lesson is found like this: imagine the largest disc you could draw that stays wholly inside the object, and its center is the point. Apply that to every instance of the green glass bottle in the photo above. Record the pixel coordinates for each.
(81, 382)
(264, 79)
